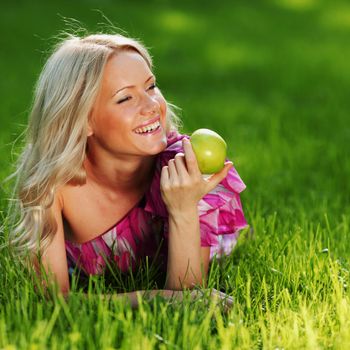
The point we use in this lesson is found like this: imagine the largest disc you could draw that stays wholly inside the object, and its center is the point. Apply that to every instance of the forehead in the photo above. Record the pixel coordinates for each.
(125, 68)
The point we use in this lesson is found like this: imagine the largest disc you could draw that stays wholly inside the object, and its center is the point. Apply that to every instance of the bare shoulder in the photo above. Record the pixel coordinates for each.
(82, 212)
(73, 200)
(58, 202)
(68, 192)
(88, 212)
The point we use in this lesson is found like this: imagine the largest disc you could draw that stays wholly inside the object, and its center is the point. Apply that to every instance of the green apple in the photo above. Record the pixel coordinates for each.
(210, 150)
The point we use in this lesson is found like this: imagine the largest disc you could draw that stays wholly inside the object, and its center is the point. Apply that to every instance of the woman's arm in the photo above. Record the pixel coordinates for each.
(54, 259)
(132, 297)
(186, 266)
(182, 186)
(221, 299)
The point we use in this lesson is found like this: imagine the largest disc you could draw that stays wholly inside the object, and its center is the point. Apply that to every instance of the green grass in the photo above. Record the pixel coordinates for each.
(273, 78)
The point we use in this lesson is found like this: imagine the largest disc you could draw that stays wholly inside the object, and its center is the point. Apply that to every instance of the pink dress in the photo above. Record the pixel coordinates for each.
(143, 231)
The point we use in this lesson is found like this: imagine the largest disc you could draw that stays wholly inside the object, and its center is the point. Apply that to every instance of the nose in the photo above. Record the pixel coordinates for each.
(149, 106)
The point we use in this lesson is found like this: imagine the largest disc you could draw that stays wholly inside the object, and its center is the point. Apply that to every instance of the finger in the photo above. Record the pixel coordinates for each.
(172, 170)
(180, 164)
(214, 180)
(226, 307)
(226, 298)
(223, 300)
(227, 303)
(164, 173)
(191, 160)
(164, 176)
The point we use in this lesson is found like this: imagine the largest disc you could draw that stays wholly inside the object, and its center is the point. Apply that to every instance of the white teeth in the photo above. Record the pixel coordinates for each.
(147, 128)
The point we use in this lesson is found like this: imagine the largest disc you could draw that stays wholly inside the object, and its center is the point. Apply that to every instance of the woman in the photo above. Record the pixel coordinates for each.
(105, 175)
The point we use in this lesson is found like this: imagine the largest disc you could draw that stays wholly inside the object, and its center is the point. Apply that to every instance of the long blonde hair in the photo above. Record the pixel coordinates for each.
(57, 131)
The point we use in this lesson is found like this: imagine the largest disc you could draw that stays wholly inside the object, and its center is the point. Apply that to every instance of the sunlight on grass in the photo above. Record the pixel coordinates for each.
(178, 22)
(222, 55)
(337, 17)
(299, 5)
(290, 292)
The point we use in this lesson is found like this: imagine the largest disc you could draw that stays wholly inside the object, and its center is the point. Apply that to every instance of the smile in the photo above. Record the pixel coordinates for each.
(148, 129)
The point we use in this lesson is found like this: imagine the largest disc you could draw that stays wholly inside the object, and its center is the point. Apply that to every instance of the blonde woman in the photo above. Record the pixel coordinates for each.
(105, 176)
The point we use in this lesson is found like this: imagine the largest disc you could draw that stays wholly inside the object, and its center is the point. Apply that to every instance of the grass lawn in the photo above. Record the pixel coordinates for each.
(273, 78)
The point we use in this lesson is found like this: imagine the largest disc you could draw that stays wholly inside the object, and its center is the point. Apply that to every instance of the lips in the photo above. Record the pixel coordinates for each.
(148, 122)
(148, 127)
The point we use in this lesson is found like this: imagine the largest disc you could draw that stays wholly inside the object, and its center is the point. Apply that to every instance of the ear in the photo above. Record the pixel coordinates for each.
(90, 132)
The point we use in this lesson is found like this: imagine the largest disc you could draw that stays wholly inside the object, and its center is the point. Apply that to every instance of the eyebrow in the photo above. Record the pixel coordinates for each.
(131, 86)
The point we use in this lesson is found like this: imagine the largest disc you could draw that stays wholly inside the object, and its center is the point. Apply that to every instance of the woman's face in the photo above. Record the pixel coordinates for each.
(128, 103)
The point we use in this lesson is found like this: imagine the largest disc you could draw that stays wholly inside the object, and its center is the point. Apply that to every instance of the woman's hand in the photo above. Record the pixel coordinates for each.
(182, 184)
(219, 299)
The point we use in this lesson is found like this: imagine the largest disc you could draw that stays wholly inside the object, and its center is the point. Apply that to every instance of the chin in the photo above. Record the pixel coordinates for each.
(160, 147)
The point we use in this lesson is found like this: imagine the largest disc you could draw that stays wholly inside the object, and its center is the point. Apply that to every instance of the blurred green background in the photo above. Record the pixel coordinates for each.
(272, 77)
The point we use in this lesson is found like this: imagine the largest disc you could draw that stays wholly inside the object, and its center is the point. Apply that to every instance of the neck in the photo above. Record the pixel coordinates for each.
(120, 175)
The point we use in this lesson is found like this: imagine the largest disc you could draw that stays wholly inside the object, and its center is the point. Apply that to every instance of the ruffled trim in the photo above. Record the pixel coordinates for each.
(220, 211)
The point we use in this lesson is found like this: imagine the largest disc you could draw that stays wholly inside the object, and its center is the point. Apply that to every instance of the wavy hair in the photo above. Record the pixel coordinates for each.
(56, 137)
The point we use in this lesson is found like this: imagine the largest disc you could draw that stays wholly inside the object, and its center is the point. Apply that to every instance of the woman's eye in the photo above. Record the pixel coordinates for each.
(124, 99)
(152, 87)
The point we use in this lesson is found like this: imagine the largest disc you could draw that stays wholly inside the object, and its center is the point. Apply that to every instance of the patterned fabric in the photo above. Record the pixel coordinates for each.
(143, 232)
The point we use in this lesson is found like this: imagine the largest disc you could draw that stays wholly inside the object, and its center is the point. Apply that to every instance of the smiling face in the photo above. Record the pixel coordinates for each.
(129, 115)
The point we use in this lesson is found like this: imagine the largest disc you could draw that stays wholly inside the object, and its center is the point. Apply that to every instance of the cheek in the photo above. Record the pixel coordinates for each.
(163, 109)
(120, 119)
